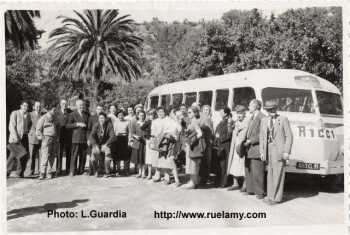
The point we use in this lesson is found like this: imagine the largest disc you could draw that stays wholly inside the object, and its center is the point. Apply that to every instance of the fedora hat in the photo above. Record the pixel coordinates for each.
(270, 104)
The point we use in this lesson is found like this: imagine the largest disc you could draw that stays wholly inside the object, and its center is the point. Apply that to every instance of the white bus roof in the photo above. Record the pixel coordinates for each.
(258, 78)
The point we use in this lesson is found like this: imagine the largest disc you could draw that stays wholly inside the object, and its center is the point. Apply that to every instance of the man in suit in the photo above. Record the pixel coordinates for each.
(34, 142)
(276, 140)
(77, 122)
(64, 136)
(19, 126)
(100, 138)
(254, 167)
(93, 119)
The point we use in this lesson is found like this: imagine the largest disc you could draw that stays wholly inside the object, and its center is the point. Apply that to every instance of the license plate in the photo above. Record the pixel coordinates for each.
(308, 166)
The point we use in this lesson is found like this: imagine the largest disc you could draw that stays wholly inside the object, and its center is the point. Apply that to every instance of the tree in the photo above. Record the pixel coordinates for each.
(96, 43)
(20, 28)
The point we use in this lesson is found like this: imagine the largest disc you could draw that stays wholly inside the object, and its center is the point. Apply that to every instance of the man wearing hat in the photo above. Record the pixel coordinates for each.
(276, 140)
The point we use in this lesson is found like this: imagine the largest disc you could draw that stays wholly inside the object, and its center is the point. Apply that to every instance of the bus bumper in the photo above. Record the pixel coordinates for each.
(326, 168)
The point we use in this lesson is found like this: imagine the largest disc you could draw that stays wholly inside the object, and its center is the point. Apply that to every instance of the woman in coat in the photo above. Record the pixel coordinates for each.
(223, 135)
(195, 147)
(137, 142)
(170, 147)
(237, 150)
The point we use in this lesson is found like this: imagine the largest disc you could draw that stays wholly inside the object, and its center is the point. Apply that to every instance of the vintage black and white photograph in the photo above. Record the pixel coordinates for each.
(173, 115)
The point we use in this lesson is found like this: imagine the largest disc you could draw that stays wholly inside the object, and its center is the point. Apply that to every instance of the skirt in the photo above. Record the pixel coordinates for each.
(237, 167)
(122, 150)
(138, 155)
(151, 155)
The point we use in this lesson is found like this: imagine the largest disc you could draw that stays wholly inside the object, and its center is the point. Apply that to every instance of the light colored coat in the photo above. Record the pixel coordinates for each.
(283, 136)
(16, 126)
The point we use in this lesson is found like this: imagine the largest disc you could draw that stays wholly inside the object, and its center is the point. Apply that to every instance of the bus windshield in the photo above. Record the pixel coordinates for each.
(329, 103)
(290, 100)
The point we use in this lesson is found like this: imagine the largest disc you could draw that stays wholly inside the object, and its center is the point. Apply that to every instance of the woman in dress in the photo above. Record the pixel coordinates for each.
(169, 146)
(237, 153)
(157, 130)
(151, 155)
(137, 142)
(195, 146)
(121, 129)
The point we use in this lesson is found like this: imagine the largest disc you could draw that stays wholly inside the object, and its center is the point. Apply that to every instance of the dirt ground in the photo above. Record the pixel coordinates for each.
(307, 203)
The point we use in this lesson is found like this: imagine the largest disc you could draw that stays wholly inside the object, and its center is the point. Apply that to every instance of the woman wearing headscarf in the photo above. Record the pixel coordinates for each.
(137, 142)
(237, 150)
(195, 147)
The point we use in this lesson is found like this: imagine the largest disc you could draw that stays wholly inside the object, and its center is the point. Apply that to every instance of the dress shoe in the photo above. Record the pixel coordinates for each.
(41, 177)
(243, 190)
(247, 193)
(155, 180)
(167, 182)
(271, 203)
(189, 186)
(260, 196)
(107, 176)
(233, 187)
(266, 200)
(50, 176)
(177, 184)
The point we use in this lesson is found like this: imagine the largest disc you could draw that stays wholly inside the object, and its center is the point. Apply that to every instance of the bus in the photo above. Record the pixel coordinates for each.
(312, 104)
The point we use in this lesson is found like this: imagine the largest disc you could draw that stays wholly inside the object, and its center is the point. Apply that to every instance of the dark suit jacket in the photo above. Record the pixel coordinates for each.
(65, 134)
(253, 134)
(79, 134)
(97, 139)
(283, 136)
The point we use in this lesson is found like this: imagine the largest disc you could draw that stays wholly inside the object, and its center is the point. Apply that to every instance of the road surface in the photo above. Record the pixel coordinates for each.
(30, 199)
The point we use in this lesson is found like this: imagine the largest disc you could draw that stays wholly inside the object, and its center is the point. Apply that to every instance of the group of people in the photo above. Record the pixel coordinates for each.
(159, 143)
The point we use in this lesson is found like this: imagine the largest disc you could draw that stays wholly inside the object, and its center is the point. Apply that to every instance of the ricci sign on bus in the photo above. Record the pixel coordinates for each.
(312, 104)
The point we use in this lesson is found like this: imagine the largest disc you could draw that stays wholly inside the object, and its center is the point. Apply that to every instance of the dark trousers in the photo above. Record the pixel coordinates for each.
(78, 154)
(34, 153)
(64, 147)
(21, 162)
(255, 176)
(97, 163)
(221, 169)
(205, 166)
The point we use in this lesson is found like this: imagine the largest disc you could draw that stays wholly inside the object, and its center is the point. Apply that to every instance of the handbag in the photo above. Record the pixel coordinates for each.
(135, 143)
(154, 143)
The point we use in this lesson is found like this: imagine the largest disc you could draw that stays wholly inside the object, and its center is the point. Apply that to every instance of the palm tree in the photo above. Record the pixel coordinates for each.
(20, 28)
(96, 43)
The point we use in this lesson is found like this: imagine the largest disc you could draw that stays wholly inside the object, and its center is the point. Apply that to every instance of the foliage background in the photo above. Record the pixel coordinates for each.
(308, 39)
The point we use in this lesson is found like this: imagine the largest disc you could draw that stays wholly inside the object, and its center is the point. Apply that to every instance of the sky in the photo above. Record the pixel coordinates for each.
(145, 11)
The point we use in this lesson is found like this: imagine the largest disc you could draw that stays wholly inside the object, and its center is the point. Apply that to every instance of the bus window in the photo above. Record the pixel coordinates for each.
(242, 96)
(329, 103)
(177, 100)
(290, 100)
(221, 99)
(165, 101)
(205, 97)
(190, 98)
(154, 102)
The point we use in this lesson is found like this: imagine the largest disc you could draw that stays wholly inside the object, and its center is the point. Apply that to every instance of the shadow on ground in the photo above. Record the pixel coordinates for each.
(17, 213)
